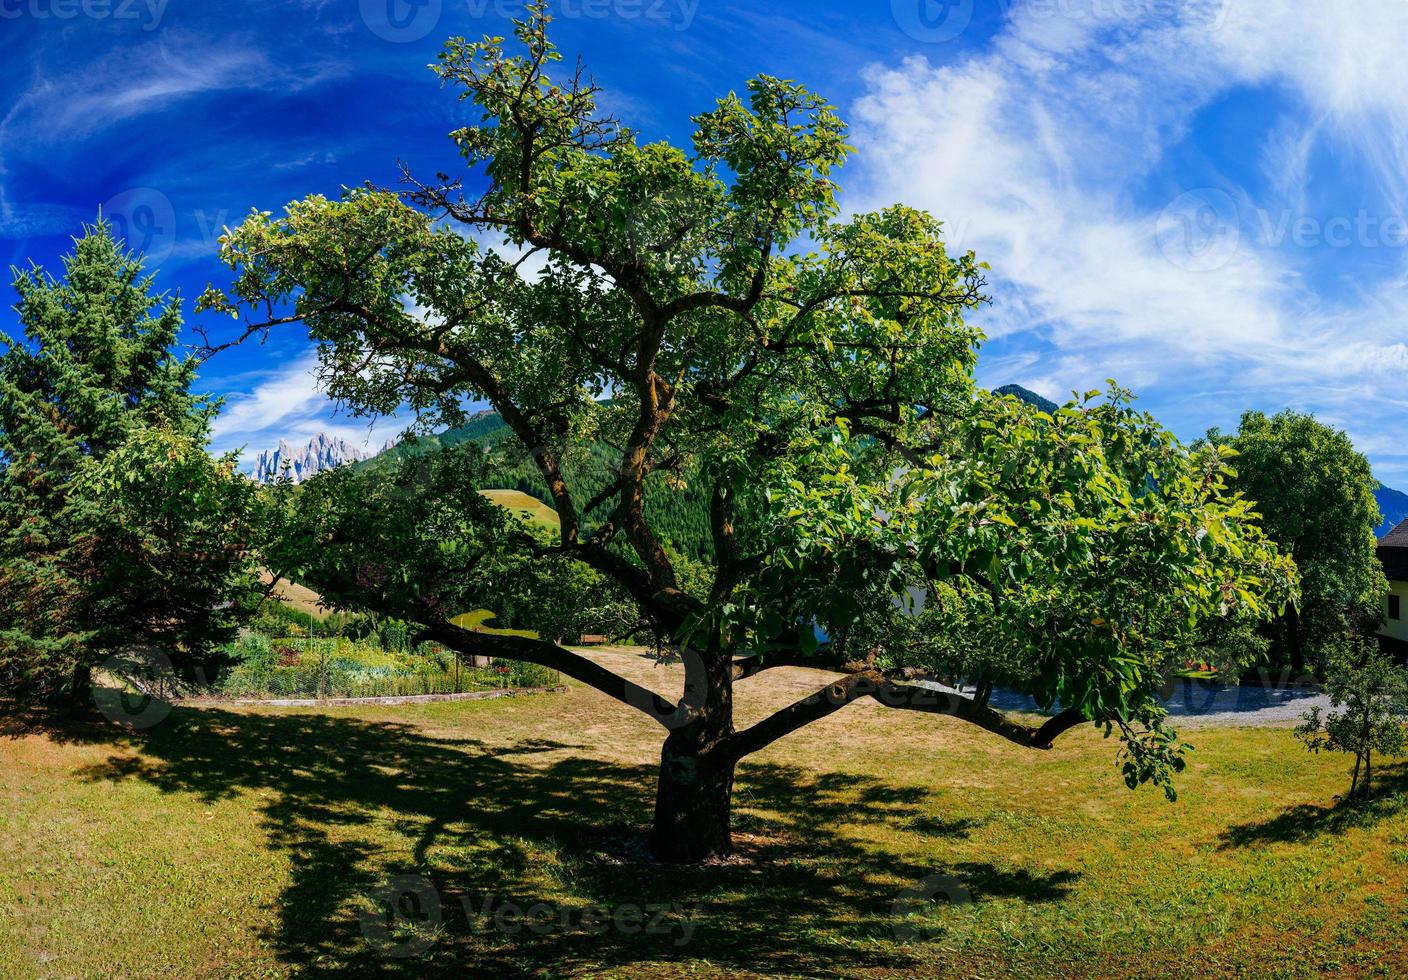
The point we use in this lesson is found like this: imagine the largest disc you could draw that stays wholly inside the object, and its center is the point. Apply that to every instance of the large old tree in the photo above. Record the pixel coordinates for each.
(712, 317)
(1315, 494)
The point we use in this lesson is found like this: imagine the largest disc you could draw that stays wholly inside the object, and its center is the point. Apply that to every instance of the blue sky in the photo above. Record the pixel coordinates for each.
(1204, 199)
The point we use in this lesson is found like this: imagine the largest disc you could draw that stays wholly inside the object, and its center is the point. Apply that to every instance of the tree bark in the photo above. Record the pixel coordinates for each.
(693, 805)
(694, 796)
(1296, 643)
(80, 688)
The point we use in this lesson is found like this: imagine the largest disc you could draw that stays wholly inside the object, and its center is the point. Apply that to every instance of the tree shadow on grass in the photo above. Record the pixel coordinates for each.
(1306, 821)
(21, 720)
(356, 804)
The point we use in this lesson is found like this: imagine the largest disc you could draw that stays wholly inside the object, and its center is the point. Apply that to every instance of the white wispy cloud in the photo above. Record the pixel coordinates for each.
(54, 113)
(133, 81)
(290, 403)
(19, 221)
(285, 396)
(1053, 154)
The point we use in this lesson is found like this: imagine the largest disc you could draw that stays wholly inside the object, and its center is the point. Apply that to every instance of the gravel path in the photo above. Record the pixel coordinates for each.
(1202, 704)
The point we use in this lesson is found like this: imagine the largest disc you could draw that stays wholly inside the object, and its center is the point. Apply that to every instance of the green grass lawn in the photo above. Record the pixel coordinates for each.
(479, 619)
(244, 843)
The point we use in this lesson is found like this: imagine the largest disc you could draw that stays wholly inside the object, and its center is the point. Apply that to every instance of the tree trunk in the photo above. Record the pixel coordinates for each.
(693, 805)
(80, 688)
(1296, 643)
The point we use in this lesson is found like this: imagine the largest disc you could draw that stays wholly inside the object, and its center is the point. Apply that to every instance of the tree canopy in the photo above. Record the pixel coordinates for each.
(712, 312)
(1315, 493)
(117, 531)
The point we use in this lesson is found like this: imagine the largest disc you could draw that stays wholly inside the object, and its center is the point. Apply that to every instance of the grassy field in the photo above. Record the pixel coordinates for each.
(245, 843)
(531, 507)
(479, 619)
(296, 596)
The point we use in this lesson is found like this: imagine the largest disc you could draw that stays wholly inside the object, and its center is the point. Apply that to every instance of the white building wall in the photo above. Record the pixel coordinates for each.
(1396, 628)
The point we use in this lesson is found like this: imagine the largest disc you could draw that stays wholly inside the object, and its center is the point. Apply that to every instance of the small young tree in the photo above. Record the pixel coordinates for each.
(712, 315)
(117, 529)
(1372, 694)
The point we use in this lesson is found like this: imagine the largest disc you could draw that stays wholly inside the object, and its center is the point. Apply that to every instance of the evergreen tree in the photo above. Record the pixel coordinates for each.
(117, 531)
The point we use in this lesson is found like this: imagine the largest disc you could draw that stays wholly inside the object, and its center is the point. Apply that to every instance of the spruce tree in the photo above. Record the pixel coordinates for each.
(117, 531)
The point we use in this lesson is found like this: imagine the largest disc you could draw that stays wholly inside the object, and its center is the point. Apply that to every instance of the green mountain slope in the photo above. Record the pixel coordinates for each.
(680, 516)
(1393, 505)
(1028, 396)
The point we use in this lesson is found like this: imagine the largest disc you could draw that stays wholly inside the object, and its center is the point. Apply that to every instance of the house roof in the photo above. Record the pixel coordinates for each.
(1393, 553)
(1397, 538)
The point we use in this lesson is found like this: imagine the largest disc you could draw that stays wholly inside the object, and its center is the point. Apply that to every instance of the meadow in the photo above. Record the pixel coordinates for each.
(251, 841)
(533, 509)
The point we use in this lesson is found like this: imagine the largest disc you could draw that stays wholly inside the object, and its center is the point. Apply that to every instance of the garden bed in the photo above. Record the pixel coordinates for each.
(411, 699)
(363, 670)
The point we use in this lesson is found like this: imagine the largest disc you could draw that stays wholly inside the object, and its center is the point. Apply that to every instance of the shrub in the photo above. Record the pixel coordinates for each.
(395, 635)
(352, 626)
(518, 674)
(253, 650)
(276, 619)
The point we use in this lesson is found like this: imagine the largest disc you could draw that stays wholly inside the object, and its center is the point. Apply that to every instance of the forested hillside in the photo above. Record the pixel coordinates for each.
(1393, 506)
(679, 512)
(1028, 396)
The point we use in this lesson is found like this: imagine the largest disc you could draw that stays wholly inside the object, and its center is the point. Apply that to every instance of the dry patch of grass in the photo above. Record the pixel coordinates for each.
(528, 505)
(244, 842)
(296, 596)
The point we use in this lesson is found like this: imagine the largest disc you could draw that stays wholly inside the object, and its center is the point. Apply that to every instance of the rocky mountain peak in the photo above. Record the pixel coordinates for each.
(322, 452)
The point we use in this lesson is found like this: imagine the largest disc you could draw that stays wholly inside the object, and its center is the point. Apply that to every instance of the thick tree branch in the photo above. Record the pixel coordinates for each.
(905, 697)
(670, 607)
(754, 664)
(467, 643)
(1058, 726)
(799, 714)
(911, 697)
